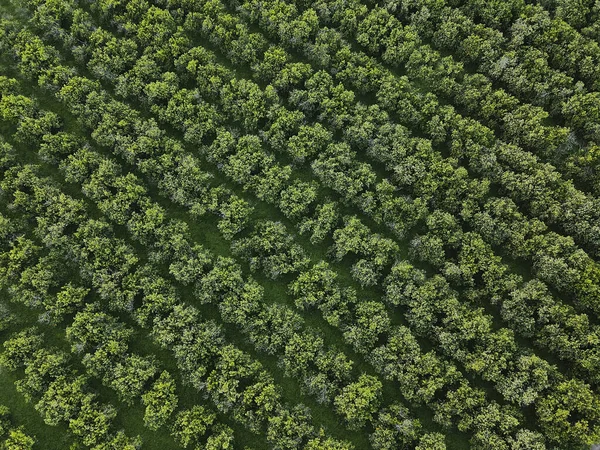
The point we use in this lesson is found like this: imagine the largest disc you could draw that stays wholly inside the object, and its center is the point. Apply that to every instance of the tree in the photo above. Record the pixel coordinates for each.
(274, 60)
(111, 56)
(31, 130)
(17, 439)
(375, 252)
(238, 385)
(398, 212)
(431, 441)
(197, 351)
(188, 267)
(289, 429)
(243, 309)
(68, 300)
(322, 442)
(259, 401)
(273, 327)
(423, 375)
(92, 329)
(255, 169)
(395, 429)
(245, 102)
(34, 57)
(63, 399)
(6, 318)
(322, 372)
(19, 349)
(129, 376)
(5, 421)
(120, 441)
(371, 322)
(232, 367)
(359, 401)
(323, 221)
(221, 438)
(429, 248)
(570, 413)
(283, 124)
(296, 199)
(530, 378)
(310, 140)
(293, 75)
(527, 440)
(160, 401)
(338, 169)
(106, 261)
(234, 213)
(156, 27)
(191, 425)
(14, 108)
(318, 287)
(224, 278)
(43, 369)
(492, 425)
(93, 422)
(271, 248)
(460, 406)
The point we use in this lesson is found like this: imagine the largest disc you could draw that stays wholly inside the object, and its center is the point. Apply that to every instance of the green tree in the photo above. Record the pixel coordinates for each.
(395, 429)
(321, 442)
(289, 429)
(160, 401)
(17, 439)
(371, 322)
(93, 422)
(5, 421)
(432, 441)
(570, 413)
(130, 376)
(191, 425)
(359, 401)
(221, 438)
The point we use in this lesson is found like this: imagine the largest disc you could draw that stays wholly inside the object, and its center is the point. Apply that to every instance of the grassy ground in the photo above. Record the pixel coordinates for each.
(131, 418)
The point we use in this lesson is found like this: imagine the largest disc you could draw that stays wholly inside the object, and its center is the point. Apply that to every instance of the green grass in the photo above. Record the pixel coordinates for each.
(204, 231)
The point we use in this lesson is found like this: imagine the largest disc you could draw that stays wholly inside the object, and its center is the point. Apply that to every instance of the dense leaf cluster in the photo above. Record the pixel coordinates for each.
(395, 197)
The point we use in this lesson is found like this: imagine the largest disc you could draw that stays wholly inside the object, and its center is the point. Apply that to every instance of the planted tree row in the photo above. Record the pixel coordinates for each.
(584, 16)
(564, 47)
(242, 319)
(99, 339)
(62, 394)
(104, 184)
(378, 204)
(266, 179)
(371, 128)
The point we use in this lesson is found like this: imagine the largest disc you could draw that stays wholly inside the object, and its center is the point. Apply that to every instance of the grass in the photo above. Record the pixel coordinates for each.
(205, 232)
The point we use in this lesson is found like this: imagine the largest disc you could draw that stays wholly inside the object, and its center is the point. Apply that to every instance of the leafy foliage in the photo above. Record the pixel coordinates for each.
(421, 176)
